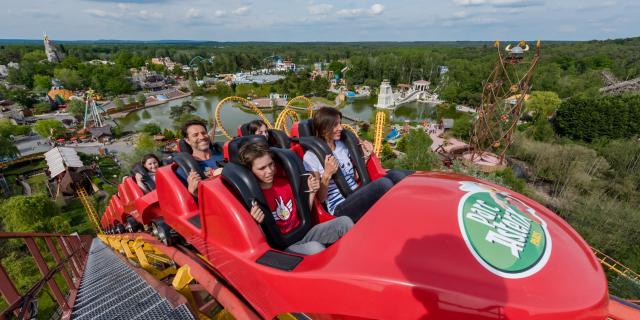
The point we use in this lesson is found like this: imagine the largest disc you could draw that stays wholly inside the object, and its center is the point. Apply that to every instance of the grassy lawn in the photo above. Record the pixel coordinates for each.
(322, 100)
(23, 168)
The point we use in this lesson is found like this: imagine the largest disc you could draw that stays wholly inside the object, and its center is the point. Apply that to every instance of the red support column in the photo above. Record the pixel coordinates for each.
(79, 250)
(7, 289)
(73, 264)
(56, 257)
(44, 270)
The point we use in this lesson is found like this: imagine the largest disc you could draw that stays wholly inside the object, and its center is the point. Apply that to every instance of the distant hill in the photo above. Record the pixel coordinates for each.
(218, 43)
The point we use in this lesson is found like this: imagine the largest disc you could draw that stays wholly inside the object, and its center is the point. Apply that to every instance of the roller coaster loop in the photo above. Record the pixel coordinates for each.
(243, 101)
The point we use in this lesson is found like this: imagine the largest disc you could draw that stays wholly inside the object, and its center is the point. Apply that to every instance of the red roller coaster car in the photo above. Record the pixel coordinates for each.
(436, 246)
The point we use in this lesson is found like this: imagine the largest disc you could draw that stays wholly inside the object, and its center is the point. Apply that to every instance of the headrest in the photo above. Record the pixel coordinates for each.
(279, 139)
(305, 128)
(183, 146)
(233, 146)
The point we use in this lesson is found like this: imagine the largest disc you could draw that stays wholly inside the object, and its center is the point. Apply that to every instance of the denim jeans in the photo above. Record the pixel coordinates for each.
(320, 235)
(359, 202)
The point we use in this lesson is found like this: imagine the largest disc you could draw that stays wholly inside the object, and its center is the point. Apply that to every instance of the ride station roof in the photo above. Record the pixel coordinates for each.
(60, 158)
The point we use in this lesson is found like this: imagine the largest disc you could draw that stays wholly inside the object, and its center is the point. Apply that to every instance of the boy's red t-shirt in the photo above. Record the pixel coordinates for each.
(282, 205)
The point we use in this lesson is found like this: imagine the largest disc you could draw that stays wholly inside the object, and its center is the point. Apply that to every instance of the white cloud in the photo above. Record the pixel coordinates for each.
(459, 14)
(499, 3)
(375, 9)
(469, 2)
(147, 15)
(241, 10)
(320, 9)
(123, 6)
(193, 13)
(99, 13)
(484, 20)
(219, 13)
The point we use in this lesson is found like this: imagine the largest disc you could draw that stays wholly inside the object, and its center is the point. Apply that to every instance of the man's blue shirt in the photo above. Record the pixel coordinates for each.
(205, 165)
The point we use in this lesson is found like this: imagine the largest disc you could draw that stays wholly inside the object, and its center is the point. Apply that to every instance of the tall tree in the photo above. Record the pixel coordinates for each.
(28, 213)
(70, 79)
(48, 128)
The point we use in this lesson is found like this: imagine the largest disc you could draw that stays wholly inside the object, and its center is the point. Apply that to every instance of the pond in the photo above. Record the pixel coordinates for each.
(232, 115)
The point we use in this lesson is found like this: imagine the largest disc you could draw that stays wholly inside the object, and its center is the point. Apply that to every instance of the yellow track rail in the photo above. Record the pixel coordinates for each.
(281, 122)
(350, 128)
(243, 101)
(308, 102)
(23, 159)
(88, 207)
(289, 112)
(616, 266)
(377, 141)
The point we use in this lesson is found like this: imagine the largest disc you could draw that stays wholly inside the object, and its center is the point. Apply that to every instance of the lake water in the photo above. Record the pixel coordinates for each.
(232, 115)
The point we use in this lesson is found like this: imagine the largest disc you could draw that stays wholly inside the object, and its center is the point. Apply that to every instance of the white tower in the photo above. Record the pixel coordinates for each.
(385, 97)
(53, 55)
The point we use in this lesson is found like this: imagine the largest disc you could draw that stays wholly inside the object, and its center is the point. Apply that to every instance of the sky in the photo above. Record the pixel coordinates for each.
(312, 20)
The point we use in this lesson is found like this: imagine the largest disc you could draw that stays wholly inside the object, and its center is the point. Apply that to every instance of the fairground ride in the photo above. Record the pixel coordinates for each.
(503, 96)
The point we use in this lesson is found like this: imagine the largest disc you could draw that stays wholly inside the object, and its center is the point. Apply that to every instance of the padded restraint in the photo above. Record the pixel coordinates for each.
(244, 129)
(186, 161)
(279, 139)
(237, 143)
(146, 179)
(245, 185)
(305, 128)
(321, 150)
(357, 155)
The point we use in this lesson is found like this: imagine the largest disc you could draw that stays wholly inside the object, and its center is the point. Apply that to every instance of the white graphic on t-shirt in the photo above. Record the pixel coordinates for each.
(283, 211)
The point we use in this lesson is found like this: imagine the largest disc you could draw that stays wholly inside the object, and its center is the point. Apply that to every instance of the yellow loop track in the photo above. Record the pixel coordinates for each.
(243, 101)
(377, 141)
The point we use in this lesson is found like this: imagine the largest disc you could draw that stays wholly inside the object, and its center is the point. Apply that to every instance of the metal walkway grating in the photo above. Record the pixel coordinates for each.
(110, 289)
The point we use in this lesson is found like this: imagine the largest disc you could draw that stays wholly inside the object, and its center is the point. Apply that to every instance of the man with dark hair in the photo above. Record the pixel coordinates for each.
(195, 134)
(279, 196)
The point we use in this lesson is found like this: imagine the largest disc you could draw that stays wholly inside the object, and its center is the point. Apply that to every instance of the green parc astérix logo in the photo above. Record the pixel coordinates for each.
(503, 234)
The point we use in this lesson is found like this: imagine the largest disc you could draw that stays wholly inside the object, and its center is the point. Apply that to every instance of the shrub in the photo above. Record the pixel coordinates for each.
(151, 129)
(418, 155)
(590, 118)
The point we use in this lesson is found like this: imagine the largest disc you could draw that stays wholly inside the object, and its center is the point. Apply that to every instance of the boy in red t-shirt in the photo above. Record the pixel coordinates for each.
(279, 196)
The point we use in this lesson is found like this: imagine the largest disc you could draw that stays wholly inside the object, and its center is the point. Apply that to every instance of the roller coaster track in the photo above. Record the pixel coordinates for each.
(281, 121)
(89, 209)
(306, 100)
(191, 275)
(616, 266)
(377, 141)
(289, 112)
(350, 128)
(243, 101)
(35, 156)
